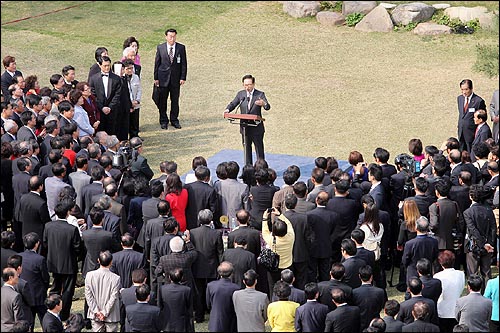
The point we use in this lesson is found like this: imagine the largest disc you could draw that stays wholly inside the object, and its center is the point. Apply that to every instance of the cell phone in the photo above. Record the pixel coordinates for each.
(269, 210)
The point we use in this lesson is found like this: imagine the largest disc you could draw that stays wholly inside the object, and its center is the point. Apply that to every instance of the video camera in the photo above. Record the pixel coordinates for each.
(412, 169)
(124, 156)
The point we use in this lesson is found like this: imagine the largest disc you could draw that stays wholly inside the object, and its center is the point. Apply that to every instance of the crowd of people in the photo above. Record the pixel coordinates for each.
(81, 208)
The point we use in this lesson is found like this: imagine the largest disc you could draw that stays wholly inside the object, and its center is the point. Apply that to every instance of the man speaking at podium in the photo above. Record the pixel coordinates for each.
(250, 101)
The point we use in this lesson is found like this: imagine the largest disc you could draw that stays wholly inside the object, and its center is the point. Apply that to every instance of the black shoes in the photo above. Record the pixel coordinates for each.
(164, 126)
(177, 125)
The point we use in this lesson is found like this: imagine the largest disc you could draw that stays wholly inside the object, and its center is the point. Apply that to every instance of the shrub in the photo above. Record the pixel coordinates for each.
(353, 19)
(330, 6)
(486, 60)
(440, 17)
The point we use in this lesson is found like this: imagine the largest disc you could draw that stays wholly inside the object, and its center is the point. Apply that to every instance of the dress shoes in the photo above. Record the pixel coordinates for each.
(177, 125)
(164, 126)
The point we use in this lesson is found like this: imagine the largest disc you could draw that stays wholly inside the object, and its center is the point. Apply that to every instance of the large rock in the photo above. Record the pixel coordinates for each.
(431, 29)
(363, 7)
(299, 9)
(412, 13)
(466, 14)
(330, 18)
(441, 5)
(378, 20)
(387, 5)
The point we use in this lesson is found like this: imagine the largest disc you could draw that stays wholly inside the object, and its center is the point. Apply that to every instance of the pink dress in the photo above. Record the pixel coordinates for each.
(178, 205)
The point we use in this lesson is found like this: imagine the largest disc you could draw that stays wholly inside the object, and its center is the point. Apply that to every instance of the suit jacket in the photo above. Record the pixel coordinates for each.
(159, 247)
(423, 203)
(124, 263)
(36, 273)
(176, 303)
(296, 295)
(311, 317)
(325, 292)
(53, 185)
(114, 92)
(7, 137)
(303, 206)
(167, 72)
(78, 180)
(233, 196)
(367, 255)
(24, 289)
(64, 245)
(208, 244)
(251, 235)
(141, 168)
(480, 222)
(370, 301)
(422, 246)
(406, 308)
(242, 101)
(88, 191)
(20, 185)
(242, 261)
(494, 107)
(352, 266)
(149, 211)
(183, 260)
(33, 213)
(304, 237)
(25, 134)
(11, 306)
(102, 293)
(460, 194)
(52, 323)
(201, 196)
(343, 319)
(378, 195)
(219, 298)
(323, 223)
(154, 228)
(95, 240)
(420, 326)
(466, 126)
(5, 254)
(348, 211)
(482, 134)
(142, 317)
(474, 310)
(432, 288)
(111, 223)
(250, 307)
(7, 81)
(444, 216)
(393, 325)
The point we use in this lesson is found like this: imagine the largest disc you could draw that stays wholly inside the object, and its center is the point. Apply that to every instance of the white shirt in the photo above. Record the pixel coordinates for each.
(105, 79)
(453, 282)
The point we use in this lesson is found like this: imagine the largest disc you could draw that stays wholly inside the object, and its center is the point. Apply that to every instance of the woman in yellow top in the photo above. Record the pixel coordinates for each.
(281, 314)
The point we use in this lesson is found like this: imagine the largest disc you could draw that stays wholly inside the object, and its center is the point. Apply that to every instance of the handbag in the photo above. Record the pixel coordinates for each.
(269, 258)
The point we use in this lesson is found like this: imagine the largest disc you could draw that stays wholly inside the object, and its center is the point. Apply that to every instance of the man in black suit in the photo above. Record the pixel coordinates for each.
(32, 210)
(241, 259)
(310, 317)
(351, 263)
(176, 303)
(419, 312)
(27, 131)
(250, 234)
(296, 295)
(8, 240)
(126, 261)
(303, 240)
(150, 210)
(251, 101)
(106, 87)
(483, 131)
(201, 196)
(208, 243)
(303, 206)
(391, 309)
(460, 193)
(139, 165)
(142, 316)
(52, 321)
(36, 273)
(468, 103)
(345, 318)
(67, 113)
(127, 295)
(368, 298)
(358, 236)
(493, 171)
(63, 244)
(337, 273)
(220, 300)
(110, 222)
(405, 312)
(9, 63)
(432, 287)
(95, 187)
(20, 186)
(170, 72)
(323, 223)
(23, 288)
(155, 227)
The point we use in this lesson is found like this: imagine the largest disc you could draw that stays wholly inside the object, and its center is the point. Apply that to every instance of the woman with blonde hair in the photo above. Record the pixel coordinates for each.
(408, 228)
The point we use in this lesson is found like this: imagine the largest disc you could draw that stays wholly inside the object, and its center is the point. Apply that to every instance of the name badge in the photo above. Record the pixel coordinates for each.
(472, 110)
(178, 59)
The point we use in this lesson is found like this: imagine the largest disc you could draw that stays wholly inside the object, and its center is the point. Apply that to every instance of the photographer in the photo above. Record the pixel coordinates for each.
(139, 165)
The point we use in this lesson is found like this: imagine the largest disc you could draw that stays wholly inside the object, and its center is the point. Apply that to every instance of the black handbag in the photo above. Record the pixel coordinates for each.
(269, 258)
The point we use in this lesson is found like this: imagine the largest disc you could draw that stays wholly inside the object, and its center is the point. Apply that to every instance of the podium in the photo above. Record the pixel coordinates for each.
(245, 120)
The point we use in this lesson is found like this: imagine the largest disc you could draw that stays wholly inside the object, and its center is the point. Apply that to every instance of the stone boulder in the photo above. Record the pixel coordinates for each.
(441, 5)
(363, 7)
(330, 18)
(300, 9)
(387, 5)
(431, 29)
(465, 14)
(412, 13)
(378, 20)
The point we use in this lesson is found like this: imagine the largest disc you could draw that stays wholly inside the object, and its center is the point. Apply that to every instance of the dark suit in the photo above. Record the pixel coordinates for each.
(201, 196)
(367, 255)
(325, 292)
(159, 247)
(154, 228)
(378, 195)
(444, 216)
(460, 194)
(36, 273)
(110, 223)
(25, 134)
(253, 133)
(323, 223)
(405, 311)
(20, 185)
(7, 81)
(370, 301)
(149, 211)
(141, 168)
(432, 289)
(311, 317)
(348, 212)
(6, 253)
(183, 260)
(423, 203)
(343, 319)
(242, 261)
(112, 100)
(11, 308)
(251, 235)
(33, 213)
(352, 266)
(420, 326)
(481, 135)
(422, 246)
(142, 317)
(303, 206)
(176, 304)
(262, 200)
(7, 191)
(24, 289)
(466, 126)
(7, 137)
(95, 240)
(51, 323)
(296, 295)
(169, 74)
(220, 302)
(124, 263)
(88, 191)
(393, 325)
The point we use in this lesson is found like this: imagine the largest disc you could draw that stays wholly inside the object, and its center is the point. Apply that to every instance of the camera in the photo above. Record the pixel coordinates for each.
(124, 155)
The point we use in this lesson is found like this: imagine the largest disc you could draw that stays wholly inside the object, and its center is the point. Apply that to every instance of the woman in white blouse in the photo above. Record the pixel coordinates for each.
(81, 117)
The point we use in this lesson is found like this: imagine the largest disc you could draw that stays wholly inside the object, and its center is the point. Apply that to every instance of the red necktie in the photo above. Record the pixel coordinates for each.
(466, 106)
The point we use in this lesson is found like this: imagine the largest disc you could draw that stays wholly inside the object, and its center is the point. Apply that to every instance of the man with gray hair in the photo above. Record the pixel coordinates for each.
(422, 246)
(179, 259)
(111, 222)
(10, 128)
(112, 144)
(208, 243)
